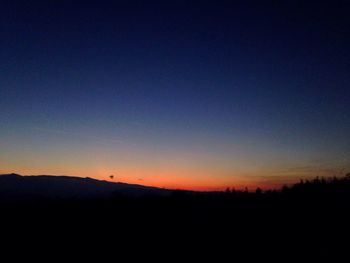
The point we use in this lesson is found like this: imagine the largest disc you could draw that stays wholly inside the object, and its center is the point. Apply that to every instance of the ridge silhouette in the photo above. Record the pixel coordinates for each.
(308, 218)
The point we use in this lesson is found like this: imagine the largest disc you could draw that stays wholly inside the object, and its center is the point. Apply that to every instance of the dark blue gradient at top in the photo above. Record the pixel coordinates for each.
(221, 77)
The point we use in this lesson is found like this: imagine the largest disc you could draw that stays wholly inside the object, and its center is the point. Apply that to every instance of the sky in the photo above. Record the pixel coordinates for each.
(197, 95)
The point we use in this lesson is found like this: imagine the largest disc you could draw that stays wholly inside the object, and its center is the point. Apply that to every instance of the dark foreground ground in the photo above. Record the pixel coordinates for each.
(309, 220)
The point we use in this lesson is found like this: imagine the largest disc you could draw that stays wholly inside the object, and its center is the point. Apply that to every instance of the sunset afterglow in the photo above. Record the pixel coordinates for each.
(200, 97)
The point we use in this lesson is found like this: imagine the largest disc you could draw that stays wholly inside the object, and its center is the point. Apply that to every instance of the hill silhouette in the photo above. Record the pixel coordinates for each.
(308, 218)
(14, 186)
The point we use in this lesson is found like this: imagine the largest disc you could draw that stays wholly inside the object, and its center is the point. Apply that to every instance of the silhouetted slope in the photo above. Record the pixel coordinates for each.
(17, 186)
(310, 218)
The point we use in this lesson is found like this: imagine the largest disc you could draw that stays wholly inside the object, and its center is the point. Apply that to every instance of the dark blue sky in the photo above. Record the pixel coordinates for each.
(245, 87)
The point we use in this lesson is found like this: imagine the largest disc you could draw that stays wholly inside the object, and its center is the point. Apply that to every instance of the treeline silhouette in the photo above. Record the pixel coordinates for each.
(307, 218)
(318, 194)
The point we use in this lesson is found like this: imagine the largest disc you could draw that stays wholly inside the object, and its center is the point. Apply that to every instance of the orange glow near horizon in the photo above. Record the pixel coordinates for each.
(186, 179)
(174, 179)
(174, 174)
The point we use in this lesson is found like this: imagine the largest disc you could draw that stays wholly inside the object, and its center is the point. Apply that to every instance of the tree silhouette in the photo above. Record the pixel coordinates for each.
(258, 191)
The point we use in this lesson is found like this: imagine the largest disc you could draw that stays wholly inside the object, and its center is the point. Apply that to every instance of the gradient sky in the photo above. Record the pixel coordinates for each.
(179, 94)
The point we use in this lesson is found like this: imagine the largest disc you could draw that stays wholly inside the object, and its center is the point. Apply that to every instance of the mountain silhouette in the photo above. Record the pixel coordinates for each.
(16, 186)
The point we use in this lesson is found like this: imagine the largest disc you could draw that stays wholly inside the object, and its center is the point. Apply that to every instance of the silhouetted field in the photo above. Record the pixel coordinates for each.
(310, 217)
